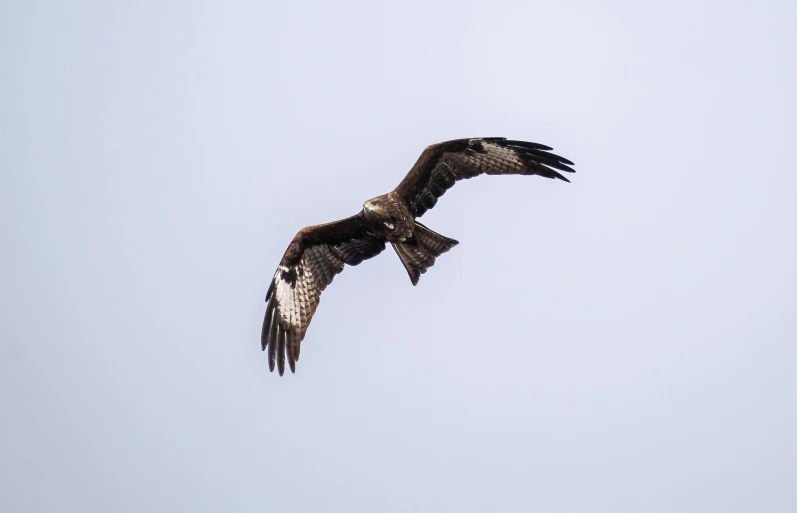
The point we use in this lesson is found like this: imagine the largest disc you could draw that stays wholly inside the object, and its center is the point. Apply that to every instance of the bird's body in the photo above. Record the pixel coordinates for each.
(317, 253)
(387, 216)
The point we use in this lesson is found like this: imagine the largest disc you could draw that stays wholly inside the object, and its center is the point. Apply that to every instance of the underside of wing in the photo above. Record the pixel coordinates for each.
(309, 265)
(441, 165)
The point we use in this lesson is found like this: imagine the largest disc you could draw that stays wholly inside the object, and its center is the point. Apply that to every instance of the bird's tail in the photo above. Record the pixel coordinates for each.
(418, 253)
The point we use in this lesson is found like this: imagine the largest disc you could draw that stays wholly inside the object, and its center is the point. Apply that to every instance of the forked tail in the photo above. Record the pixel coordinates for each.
(418, 253)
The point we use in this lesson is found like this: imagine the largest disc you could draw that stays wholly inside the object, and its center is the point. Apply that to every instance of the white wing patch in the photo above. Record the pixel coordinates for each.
(296, 304)
(503, 160)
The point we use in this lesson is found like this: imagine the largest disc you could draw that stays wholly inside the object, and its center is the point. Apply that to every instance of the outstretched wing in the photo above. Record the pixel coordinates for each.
(312, 260)
(441, 165)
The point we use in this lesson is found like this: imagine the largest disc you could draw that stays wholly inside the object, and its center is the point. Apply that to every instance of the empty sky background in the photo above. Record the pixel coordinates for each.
(623, 343)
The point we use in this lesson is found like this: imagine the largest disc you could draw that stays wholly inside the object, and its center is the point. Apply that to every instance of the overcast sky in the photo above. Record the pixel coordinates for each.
(623, 343)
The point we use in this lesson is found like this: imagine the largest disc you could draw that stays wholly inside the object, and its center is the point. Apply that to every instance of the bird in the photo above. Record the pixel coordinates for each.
(318, 253)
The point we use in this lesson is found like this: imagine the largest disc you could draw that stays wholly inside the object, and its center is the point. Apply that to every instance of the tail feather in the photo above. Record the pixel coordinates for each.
(418, 253)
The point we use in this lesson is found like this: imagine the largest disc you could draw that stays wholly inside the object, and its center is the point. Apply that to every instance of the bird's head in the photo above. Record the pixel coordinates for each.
(375, 205)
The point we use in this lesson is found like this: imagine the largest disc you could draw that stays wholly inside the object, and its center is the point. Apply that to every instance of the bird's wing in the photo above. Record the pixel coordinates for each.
(312, 260)
(441, 165)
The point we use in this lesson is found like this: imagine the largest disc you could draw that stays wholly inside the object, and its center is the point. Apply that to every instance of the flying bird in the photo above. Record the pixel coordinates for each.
(318, 253)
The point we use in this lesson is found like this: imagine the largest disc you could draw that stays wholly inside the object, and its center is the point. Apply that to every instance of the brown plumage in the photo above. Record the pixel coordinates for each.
(317, 253)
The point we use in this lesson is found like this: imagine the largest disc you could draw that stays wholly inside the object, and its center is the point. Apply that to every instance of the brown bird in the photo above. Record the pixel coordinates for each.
(317, 253)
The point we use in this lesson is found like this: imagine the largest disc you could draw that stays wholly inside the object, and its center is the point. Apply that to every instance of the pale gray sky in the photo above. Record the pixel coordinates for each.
(623, 343)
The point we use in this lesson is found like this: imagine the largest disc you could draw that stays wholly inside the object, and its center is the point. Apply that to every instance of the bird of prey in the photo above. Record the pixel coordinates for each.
(317, 253)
